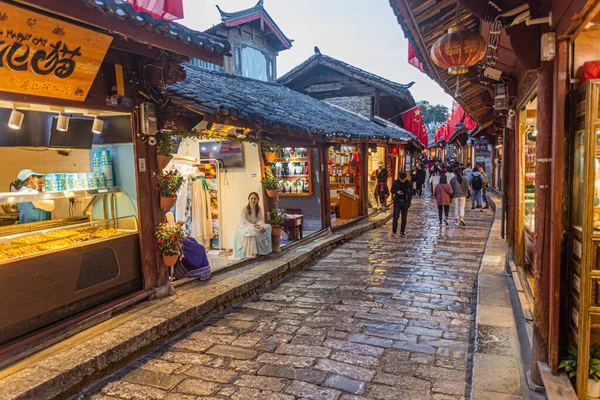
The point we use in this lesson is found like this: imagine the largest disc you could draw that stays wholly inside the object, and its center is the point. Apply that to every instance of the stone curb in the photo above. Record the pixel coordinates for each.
(148, 324)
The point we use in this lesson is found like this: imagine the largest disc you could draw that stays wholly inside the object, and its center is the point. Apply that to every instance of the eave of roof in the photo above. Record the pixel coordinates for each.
(121, 19)
(422, 36)
(257, 12)
(383, 84)
(272, 105)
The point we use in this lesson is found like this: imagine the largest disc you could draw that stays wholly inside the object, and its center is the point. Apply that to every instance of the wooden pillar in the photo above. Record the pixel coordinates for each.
(558, 207)
(364, 179)
(543, 196)
(510, 181)
(149, 212)
(325, 186)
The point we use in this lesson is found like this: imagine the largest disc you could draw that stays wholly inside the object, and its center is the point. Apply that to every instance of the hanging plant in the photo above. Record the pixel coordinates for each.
(169, 239)
(168, 184)
(270, 183)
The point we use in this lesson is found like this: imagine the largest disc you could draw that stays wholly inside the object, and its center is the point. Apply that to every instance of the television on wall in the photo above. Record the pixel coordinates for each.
(229, 154)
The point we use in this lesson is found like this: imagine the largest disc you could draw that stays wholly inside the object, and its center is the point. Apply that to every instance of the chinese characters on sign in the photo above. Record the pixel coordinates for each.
(46, 57)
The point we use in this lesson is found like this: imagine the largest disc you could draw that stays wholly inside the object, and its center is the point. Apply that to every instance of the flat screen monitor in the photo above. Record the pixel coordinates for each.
(78, 136)
(229, 153)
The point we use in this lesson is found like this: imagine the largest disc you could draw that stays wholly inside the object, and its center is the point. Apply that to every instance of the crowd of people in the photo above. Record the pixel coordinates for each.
(451, 183)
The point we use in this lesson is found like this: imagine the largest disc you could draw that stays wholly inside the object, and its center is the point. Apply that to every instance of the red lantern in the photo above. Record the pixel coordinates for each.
(458, 49)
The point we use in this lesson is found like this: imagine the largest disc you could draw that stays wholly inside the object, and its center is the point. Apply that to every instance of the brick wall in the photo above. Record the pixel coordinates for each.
(358, 104)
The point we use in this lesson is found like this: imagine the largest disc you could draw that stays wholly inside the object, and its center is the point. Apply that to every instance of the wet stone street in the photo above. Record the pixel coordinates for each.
(375, 318)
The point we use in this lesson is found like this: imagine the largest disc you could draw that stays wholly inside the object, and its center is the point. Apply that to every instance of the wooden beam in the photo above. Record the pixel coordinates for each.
(77, 11)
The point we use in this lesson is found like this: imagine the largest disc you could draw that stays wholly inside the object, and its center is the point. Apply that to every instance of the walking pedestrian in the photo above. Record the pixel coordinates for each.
(421, 175)
(434, 179)
(476, 182)
(468, 171)
(402, 197)
(383, 191)
(460, 191)
(443, 196)
(486, 186)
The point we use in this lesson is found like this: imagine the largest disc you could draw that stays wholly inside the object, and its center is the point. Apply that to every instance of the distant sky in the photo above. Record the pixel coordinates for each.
(364, 33)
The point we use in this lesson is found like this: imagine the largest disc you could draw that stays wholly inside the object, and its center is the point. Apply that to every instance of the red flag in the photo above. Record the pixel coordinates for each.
(169, 10)
(425, 139)
(413, 60)
(413, 122)
(469, 122)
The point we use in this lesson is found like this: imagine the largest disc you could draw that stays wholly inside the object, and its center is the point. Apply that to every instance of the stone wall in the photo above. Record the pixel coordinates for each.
(362, 105)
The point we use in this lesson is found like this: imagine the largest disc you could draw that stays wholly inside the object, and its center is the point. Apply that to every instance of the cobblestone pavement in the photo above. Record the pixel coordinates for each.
(375, 318)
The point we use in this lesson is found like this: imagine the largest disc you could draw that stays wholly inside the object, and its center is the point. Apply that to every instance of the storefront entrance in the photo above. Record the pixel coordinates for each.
(344, 183)
(69, 215)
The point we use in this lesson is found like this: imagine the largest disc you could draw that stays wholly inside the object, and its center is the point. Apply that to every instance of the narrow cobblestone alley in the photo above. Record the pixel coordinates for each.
(375, 318)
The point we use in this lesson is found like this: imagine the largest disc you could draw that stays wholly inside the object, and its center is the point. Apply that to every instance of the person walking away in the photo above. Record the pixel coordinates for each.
(476, 182)
(460, 191)
(450, 173)
(486, 186)
(434, 180)
(402, 197)
(443, 197)
(468, 171)
(421, 175)
(383, 191)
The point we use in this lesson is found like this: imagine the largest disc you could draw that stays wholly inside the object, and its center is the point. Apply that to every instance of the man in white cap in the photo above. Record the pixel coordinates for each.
(37, 210)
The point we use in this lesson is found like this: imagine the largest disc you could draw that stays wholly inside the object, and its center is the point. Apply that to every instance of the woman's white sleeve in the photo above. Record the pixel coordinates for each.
(46, 205)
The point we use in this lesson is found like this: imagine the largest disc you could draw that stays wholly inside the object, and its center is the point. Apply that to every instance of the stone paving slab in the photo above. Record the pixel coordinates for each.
(374, 318)
(63, 372)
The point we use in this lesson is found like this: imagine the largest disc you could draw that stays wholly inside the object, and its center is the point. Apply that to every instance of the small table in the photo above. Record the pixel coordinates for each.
(293, 225)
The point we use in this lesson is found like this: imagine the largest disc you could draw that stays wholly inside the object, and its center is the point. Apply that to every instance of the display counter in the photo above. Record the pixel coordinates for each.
(55, 269)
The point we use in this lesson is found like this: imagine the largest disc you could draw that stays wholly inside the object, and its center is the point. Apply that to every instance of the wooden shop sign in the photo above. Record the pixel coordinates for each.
(43, 56)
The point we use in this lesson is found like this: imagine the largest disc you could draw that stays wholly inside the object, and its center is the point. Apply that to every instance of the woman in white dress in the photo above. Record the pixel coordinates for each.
(252, 236)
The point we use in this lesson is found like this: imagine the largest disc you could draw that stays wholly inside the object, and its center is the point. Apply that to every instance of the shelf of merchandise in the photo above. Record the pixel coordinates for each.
(291, 176)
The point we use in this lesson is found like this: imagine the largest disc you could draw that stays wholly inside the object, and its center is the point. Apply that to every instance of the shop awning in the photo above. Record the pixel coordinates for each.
(274, 107)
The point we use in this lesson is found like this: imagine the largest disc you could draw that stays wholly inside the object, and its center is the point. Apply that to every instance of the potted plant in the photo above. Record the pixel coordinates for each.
(164, 148)
(277, 221)
(569, 364)
(271, 154)
(169, 239)
(270, 183)
(168, 184)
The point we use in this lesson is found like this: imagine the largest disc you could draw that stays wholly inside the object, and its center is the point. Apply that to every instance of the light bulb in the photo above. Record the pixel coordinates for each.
(97, 126)
(63, 123)
(16, 119)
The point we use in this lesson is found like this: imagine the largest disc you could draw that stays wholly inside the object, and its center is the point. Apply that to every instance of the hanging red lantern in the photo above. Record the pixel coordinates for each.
(458, 49)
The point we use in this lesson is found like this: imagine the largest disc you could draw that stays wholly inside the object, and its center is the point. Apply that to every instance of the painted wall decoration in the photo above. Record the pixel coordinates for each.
(43, 56)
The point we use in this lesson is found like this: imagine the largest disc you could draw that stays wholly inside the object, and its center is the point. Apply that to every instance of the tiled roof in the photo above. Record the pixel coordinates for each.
(231, 18)
(122, 10)
(274, 105)
(394, 88)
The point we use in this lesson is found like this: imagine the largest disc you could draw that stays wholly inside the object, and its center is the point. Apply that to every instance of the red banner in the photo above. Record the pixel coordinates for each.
(169, 10)
(413, 60)
(413, 122)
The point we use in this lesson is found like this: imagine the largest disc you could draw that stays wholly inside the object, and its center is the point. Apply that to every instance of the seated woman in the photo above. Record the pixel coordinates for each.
(193, 262)
(252, 236)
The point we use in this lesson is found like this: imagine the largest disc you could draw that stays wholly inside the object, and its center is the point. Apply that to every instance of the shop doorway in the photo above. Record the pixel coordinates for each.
(344, 183)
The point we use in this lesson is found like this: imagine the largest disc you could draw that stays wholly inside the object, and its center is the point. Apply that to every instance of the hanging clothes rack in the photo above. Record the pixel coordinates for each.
(217, 165)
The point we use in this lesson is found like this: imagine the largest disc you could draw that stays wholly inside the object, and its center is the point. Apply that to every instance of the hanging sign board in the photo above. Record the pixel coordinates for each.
(43, 56)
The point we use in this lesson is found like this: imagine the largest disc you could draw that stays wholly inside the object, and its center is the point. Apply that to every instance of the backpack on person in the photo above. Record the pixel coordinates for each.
(477, 182)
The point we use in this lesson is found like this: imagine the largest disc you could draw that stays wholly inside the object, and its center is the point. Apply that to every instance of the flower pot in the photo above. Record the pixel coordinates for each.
(272, 192)
(163, 161)
(169, 261)
(166, 203)
(271, 156)
(276, 231)
(593, 389)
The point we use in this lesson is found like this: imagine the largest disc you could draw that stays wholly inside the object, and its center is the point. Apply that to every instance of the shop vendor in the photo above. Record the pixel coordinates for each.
(253, 236)
(28, 181)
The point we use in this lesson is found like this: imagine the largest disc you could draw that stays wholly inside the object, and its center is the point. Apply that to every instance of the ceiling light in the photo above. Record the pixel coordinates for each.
(63, 123)
(16, 119)
(97, 126)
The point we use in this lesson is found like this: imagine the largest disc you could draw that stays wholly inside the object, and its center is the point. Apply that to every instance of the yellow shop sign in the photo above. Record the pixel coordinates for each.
(43, 56)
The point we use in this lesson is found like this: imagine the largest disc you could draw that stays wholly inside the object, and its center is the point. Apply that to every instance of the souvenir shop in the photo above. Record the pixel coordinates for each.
(345, 183)
(376, 163)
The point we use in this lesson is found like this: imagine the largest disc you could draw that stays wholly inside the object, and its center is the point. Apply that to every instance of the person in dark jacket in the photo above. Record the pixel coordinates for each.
(402, 196)
(383, 191)
(421, 174)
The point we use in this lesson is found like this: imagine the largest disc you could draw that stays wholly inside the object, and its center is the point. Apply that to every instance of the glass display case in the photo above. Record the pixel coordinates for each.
(584, 232)
(53, 269)
(292, 170)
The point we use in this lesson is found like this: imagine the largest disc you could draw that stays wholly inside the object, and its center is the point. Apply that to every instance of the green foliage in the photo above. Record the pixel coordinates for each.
(569, 364)
(269, 183)
(433, 114)
(277, 218)
(169, 238)
(169, 182)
